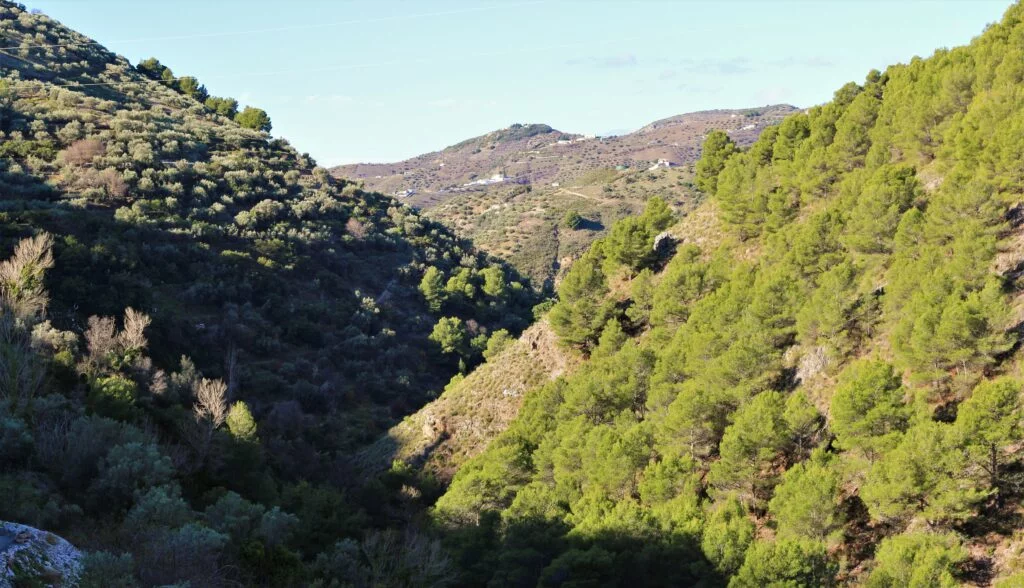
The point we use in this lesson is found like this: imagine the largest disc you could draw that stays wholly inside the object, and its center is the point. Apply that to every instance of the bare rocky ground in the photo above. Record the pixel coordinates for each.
(33, 557)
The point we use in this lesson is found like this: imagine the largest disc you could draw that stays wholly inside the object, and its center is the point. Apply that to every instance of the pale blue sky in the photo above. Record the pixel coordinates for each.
(355, 81)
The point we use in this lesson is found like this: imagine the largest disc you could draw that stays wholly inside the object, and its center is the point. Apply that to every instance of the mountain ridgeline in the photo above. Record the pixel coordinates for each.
(828, 391)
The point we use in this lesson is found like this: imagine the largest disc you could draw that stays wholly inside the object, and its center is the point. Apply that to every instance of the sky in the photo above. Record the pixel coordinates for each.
(380, 81)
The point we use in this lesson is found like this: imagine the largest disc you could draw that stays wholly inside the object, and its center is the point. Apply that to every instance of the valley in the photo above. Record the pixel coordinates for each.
(739, 348)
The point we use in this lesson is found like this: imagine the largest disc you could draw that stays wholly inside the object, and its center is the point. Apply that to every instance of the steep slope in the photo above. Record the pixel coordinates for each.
(245, 253)
(442, 435)
(826, 389)
(198, 325)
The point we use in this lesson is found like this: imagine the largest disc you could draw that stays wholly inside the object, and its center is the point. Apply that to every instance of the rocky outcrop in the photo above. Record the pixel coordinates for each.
(32, 557)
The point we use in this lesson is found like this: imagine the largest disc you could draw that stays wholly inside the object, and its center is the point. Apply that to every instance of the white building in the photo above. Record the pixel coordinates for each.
(661, 163)
(495, 179)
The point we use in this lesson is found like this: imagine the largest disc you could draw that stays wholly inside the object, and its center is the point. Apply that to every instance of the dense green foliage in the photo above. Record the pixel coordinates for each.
(198, 326)
(253, 118)
(840, 369)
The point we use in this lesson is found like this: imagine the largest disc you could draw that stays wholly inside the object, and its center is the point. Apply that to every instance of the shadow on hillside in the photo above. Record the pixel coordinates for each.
(290, 317)
(526, 552)
(587, 224)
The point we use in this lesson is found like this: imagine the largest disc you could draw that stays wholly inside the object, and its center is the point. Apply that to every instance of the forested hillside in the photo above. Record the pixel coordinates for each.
(827, 391)
(198, 325)
(809, 375)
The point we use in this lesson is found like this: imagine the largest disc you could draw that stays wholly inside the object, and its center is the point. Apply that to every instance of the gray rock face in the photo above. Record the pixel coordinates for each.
(29, 553)
(663, 243)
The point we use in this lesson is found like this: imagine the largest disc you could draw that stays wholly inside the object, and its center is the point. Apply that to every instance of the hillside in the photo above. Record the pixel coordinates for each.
(824, 386)
(199, 326)
(537, 154)
(529, 178)
(442, 435)
(794, 360)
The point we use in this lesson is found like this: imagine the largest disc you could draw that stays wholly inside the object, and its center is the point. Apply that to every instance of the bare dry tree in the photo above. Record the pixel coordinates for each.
(101, 340)
(210, 410)
(23, 301)
(21, 277)
(231, 369)
(158, 383)
(355, 228)
(112, 182)
(104, 341)
(83, 151)
(133, 337)
(408, 558)
(211, 402)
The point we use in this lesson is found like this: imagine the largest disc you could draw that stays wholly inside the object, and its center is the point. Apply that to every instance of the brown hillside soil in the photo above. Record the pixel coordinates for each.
(472, 411)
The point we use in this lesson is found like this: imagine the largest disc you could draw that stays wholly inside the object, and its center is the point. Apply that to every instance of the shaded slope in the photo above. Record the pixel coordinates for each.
(292, 285)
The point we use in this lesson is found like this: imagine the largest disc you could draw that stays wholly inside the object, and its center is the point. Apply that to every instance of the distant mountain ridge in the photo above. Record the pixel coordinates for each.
(539, 154)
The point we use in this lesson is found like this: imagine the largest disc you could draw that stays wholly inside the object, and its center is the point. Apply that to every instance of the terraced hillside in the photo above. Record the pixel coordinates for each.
(537, 154)
(511, 190)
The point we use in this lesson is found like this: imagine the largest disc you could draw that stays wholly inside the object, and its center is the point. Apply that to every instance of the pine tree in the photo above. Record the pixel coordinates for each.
(450, 335)
(918, 560)
(582, 310)
(432, 288)
(867, 409)
(923, 476)
(254, 118)
(989, 422)
(240, 422)
(630, 243)
(878, 208)
(806, 502)
(727, 535)
(717, 148)
(756, 438)
(786, 562)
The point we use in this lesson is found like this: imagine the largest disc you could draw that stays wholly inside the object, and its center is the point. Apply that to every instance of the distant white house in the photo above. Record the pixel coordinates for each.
(749, 128)
(661, 163)
(405, 193)
(495, 179)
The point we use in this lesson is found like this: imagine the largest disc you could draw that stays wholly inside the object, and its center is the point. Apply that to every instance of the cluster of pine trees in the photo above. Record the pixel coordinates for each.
(829, 392)
(250, 117)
